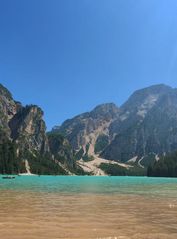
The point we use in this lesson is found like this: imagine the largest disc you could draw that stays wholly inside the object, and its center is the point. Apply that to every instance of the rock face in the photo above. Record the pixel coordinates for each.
(28, 129)
(8, 108)
(145, 126)
(61, 150)
(24, 125)
(140, 131)
(25, 128)
(84, 130)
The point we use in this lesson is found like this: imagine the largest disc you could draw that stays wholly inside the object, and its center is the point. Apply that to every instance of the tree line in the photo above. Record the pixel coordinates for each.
(165, 167)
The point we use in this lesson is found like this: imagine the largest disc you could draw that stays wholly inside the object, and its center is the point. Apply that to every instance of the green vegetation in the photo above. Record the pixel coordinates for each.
(165, 167)
(9, 162)
(45, 166)
(79, 154)
(101, 143)
(87, 148)
(61, 149)
(148, 160)
(116, 170)
(42, 165)
(57, 141)
(77, 170)
(87, 158)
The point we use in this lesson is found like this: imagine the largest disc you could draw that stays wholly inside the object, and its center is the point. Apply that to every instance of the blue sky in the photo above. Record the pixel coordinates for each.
(67, 56)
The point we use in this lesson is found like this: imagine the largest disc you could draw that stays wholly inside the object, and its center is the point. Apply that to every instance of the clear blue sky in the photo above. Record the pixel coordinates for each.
(67, 56)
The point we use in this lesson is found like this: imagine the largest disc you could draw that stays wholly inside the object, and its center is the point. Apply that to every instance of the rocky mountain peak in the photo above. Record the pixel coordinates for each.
(84, 129)
(25, 145)
(147, 125)
(106, 111)
(142, 101)
(28, 128)
(144, 126)
(8, 109)
(5, 92)
(147, 97)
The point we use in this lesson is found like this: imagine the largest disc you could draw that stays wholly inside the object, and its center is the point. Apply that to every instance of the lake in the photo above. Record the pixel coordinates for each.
(33, 207)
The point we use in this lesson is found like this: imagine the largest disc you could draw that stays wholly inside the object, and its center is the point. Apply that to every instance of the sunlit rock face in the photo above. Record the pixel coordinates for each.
(23, 125)
(144, 127)
(84, 129)
(25, 128)
(28, 129)
(147, 125)
(8, 108)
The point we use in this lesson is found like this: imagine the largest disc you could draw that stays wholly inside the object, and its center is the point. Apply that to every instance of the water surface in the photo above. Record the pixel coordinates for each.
(33, 207)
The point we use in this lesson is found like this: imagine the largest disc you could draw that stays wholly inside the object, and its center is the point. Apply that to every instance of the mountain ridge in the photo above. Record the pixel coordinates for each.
(24, 141)
(130, 133)
(135, 134)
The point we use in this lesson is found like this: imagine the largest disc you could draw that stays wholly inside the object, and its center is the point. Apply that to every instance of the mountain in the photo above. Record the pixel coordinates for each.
(139, 132)
(24, 145)
(147, 125)
(28, 129)
(123, 140)
(8, 108)
(85, 129)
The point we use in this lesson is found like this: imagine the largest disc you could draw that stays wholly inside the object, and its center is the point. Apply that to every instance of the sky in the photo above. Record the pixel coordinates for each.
(67, 56)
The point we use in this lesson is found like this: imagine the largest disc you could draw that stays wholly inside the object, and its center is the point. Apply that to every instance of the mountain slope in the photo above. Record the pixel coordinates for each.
(122, 140)
(141, 130)
(147, 125)
(83, 130)
(24, 144)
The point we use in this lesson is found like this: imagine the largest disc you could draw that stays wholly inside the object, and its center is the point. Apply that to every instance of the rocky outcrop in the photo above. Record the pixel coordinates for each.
(139, 132)
(23, 125)
(144, 127)
(29, 130)
(147, 125)
(61, 150)
(84, 130)
(8, 108)
(23, 139)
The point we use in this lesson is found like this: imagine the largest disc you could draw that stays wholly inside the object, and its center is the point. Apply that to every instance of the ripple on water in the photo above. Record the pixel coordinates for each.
(88, 207)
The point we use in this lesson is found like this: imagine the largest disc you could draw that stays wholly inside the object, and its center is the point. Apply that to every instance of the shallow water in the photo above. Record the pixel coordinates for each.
(88, 207)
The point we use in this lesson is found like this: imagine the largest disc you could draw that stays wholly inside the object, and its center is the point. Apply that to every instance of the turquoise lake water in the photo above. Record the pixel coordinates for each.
(97, 185)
